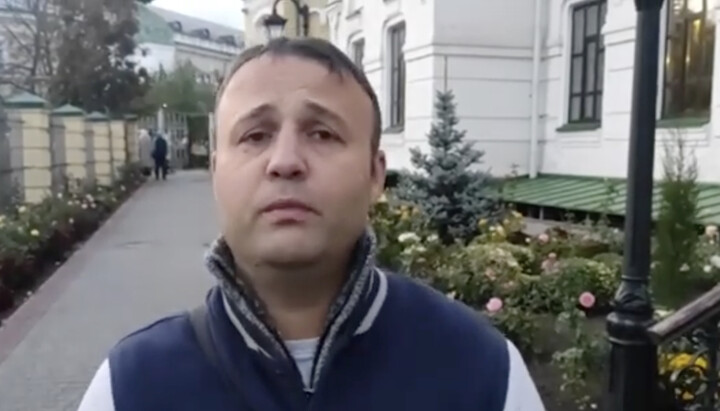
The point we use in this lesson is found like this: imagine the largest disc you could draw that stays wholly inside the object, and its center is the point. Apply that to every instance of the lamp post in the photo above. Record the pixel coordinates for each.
(633, 359)
(275, 23)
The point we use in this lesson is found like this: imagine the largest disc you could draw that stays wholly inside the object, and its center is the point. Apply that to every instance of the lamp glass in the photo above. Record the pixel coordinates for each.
(275, 26)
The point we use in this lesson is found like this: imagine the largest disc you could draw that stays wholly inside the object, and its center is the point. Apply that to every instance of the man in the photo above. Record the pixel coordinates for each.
(159, 154)
(145, 151)
(302, 319)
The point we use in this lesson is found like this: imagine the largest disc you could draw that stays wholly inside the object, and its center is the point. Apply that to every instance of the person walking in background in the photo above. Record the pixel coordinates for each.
(145, 145)
(159, 154)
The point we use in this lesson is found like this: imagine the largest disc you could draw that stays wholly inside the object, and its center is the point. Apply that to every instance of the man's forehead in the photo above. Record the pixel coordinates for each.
(270, 71)
(268, 79)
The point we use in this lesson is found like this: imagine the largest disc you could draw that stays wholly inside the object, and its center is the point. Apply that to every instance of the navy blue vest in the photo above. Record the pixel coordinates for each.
(424, 352)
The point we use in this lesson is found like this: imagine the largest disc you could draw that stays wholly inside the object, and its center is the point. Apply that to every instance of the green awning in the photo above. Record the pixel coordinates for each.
(590, 194)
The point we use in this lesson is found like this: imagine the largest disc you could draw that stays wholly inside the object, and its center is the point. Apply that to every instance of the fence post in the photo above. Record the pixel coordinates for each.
(102, 148)
(119, 146)
(131, 138)
(10, 164)
(73, 144)
(58, 156)
(633, 383)
(29, 115)
(89, 135)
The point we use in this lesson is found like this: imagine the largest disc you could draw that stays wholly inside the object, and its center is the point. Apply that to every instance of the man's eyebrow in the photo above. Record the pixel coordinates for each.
(321, 110)
(256, 112)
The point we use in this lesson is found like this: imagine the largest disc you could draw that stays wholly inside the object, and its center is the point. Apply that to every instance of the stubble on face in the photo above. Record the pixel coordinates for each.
(294, 173)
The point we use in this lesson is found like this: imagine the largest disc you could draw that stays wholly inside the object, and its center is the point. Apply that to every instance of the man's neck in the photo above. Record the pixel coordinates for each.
(298, 299)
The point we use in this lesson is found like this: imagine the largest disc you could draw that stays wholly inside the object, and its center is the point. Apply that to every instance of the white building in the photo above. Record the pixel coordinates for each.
(257, 10)
(560, 105)
(167, 38)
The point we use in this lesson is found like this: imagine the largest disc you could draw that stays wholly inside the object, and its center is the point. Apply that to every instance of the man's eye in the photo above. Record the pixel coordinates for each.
(322, 135)
(255, 137)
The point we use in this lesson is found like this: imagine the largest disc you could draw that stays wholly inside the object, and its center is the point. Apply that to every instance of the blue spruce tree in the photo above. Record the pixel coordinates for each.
(447, 185)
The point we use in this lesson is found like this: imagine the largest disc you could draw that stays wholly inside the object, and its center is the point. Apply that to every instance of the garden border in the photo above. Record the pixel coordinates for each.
(21, 322)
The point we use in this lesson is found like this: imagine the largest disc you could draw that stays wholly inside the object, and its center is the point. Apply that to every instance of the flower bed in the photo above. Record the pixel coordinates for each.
(549, 294)
(34, 239)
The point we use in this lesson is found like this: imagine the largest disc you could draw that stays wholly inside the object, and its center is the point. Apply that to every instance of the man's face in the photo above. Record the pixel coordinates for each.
(294, 172)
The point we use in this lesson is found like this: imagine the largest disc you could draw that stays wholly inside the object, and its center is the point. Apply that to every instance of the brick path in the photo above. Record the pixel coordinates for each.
(145, 262)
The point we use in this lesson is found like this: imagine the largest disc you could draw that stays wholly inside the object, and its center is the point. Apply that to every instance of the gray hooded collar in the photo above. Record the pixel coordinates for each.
(359, 302)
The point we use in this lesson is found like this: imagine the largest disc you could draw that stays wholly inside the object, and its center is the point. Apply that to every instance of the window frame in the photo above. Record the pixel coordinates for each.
(357, 48)
(668, 36)
(587, 41)
(397, 75)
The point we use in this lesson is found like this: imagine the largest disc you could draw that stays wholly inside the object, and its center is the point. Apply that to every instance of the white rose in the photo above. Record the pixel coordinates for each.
(408, 237)
(662, 313)
(711, 230)
(715, 260)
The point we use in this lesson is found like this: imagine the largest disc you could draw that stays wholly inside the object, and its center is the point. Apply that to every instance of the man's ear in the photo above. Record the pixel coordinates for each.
(379, 170)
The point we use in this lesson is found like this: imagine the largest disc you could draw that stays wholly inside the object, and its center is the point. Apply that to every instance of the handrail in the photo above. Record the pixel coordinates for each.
(687, 318)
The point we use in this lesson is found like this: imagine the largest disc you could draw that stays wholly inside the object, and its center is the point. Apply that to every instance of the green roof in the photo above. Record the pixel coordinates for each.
(26, 100)
(590, 194)
(96, 116)
(68, 110)
(152, 27)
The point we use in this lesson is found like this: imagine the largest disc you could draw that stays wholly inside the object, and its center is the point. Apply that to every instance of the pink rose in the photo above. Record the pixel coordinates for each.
(543, 238)
(587, 300)
(494, 305)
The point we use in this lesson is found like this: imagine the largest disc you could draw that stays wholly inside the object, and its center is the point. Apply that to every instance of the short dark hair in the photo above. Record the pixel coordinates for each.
(317, 50)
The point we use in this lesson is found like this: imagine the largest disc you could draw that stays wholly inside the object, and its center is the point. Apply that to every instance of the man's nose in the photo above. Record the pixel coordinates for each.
(286, 157)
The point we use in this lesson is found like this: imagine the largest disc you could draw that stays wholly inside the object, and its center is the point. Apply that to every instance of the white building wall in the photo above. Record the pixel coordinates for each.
(604, 152)
(151, 56)
(482, 50)
(479, 49)
(370, 20)
(255, 13)
(206, 56)
(257, 10)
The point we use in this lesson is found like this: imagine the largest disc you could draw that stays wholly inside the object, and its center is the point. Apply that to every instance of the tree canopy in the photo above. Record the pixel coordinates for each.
(96, 69)
(181, 91)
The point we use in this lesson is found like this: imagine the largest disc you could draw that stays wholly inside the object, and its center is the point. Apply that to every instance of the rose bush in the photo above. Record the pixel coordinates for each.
(548, 293)
(35, 237)
(522, 283)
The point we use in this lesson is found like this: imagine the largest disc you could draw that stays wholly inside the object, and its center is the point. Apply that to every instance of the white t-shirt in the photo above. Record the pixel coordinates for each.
(303, 352)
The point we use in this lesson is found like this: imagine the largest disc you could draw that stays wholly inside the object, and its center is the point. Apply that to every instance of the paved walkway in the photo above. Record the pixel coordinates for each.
(145, 262)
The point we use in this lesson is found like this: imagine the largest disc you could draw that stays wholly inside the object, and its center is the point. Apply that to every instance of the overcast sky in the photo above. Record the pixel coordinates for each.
(227, 12)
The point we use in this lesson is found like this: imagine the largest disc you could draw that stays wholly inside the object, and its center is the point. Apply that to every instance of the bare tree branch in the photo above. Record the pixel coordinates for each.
(32, 29)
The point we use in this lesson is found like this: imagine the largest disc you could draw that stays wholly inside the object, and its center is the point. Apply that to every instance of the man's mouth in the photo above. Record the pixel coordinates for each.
(288, 210)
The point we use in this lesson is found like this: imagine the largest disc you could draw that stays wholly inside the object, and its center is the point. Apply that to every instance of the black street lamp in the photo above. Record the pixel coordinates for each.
(275, 23)
(633, 359)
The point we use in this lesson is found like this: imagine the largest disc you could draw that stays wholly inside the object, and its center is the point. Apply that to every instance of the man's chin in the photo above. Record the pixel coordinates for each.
(289, 247)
